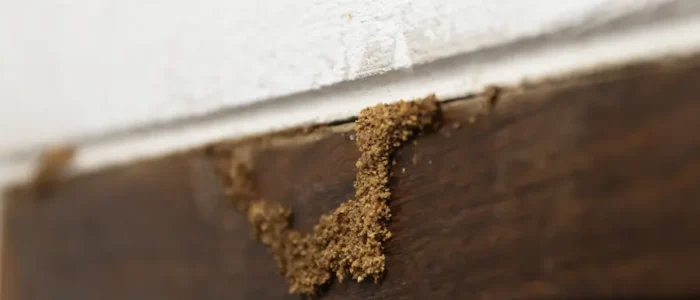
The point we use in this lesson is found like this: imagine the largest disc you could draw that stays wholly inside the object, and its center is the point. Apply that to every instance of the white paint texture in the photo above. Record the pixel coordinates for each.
(104, 74)
(89, 67)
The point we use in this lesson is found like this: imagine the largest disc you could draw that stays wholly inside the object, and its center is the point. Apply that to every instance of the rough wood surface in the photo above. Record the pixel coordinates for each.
(587, 189)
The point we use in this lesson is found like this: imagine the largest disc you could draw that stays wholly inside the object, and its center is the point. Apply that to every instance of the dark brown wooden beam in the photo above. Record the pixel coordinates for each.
(585, 187)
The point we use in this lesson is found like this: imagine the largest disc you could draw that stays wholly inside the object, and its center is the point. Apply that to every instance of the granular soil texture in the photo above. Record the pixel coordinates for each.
(348, 242)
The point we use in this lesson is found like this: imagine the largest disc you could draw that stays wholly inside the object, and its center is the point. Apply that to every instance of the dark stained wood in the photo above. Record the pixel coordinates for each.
(577, 189)
(141, 232)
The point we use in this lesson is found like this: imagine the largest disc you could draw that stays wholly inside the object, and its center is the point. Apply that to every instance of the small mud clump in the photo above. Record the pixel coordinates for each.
(348, 242)
(53, 163)
(351, 237)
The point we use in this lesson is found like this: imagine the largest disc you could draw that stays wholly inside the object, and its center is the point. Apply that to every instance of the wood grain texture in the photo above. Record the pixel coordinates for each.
(585, 189)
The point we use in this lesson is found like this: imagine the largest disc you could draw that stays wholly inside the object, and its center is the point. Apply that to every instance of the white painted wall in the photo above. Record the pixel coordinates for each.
(88, 67)
(103, 74)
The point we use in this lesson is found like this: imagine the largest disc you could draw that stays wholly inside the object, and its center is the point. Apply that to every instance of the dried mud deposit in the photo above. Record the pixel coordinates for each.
(348, 242)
